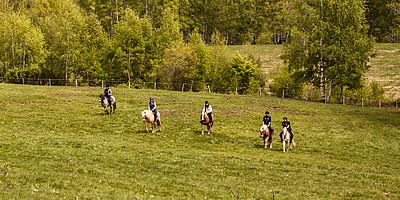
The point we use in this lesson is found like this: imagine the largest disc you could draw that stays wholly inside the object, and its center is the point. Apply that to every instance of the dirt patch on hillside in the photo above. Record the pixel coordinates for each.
(281, 110)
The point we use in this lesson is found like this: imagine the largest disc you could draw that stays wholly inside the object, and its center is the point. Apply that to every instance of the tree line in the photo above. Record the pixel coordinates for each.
(184, 41)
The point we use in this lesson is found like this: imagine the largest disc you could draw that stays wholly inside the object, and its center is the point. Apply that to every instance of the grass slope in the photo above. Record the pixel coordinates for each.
(59, 145)
(385, 66)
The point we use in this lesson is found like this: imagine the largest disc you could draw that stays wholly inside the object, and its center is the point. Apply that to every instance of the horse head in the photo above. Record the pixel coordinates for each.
(264, 131)
(144, 115)
(204, 118)
(285, 135)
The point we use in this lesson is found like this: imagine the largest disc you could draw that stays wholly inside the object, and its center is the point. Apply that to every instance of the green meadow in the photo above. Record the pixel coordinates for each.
(58, 145)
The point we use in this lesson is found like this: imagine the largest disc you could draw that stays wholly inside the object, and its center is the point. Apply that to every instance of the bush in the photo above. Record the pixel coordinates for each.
(284, 81)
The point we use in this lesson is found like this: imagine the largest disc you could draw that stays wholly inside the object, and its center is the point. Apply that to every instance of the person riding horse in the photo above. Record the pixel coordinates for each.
(267, 121)
(286, 124)
(153, 108)
(108, 93)
(208, 110)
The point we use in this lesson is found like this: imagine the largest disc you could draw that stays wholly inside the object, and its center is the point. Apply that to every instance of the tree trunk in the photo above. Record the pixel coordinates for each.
(66, 62)
(116, 9)
(341, 95)
(330, 91)
(147, 8)
(24, 56)
(12, 48)
(129, 65)
(321, 67)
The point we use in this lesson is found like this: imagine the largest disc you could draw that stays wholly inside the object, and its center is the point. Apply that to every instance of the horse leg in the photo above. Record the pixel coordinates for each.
(115, 106)
(147, 130)
(202, 129)
(159, 125)
(153, 127)
(209, 129)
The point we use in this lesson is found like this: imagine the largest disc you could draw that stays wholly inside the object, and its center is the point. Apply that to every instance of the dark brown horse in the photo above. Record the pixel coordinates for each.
(105, 103)
(205, 120)
(266, 136)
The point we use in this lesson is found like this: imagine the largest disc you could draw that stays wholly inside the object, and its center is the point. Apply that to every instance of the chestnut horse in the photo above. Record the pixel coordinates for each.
(104, 102)
(286, 140)
(205, 120)
(266, 136)
(148, 117)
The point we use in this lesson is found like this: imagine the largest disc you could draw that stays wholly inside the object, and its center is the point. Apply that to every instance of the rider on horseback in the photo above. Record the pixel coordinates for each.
(267, 121)
(286, 124)
(152, 107)
(208, 110)
(108, 93)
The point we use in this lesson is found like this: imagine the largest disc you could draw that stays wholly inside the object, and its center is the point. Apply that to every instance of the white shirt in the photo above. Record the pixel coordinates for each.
(207, 110)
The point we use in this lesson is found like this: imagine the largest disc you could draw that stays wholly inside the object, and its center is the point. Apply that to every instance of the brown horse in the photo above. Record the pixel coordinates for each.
(105, 103)
(287, 145)
(266, 136)
(148, 117)
(205, 120)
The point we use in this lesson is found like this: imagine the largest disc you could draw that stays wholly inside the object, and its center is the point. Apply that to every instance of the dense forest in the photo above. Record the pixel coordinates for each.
(184, 41)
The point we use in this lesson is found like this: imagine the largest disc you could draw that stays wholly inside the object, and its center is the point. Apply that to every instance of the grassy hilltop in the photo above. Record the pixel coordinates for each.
(59, 145)
(385, 66)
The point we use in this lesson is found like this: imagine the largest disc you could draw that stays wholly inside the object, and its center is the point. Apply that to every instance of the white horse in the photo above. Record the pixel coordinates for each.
(286, 144)
(148, 117)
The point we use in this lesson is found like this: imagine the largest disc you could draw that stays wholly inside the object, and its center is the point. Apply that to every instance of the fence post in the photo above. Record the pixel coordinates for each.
(183, 86)
(260, 91)
(380, 103)
(344, 100)
(236, 91)
(209, 90)
(362, 102)
(102, 83)
(50, 82)
(23, 81)
(396, 104)
(283, 94)
(155, 85)
(76, 82)
(129, 83)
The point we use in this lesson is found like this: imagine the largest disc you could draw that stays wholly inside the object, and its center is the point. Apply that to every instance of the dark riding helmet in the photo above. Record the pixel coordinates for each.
(107, 85)
(285, 118)
(267, 112)
(151, 98)
(206, 102)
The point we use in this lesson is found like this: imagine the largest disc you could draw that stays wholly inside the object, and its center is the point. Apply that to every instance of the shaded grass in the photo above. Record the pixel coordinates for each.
(59, 145)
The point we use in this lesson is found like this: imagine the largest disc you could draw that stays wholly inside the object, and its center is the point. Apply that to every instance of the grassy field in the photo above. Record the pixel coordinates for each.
(385, 66)
(58, 145)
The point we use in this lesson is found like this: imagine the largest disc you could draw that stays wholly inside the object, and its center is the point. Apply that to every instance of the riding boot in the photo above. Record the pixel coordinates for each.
(280, 135)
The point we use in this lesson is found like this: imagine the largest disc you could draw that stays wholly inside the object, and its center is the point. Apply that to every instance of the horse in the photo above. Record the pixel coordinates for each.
(266, 136)
(205, 120)
(148, 117)
(104, 102)
(286, 140)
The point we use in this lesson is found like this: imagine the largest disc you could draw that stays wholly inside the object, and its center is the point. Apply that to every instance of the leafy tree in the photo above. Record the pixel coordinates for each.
(178, 65)
(22, 44)
(202, 69)
(131, 37)
(244, 70)
(284, 83)
(328, 43)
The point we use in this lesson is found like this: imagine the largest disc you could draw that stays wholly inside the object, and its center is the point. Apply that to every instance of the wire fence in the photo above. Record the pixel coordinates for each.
(183, 87)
